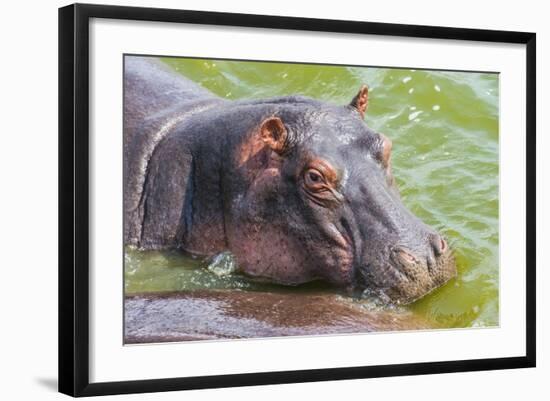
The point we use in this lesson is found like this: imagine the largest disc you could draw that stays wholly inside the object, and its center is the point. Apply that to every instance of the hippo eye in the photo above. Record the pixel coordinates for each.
(320, 183)
(314, 177)
(314, 180)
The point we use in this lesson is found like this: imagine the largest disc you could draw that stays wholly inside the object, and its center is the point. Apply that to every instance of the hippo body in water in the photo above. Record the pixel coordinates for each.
(295, 188)
(180, 316)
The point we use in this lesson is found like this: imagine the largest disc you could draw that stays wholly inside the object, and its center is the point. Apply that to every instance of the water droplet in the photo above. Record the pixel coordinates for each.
(435, 107)
(437, 88)
(406, 79)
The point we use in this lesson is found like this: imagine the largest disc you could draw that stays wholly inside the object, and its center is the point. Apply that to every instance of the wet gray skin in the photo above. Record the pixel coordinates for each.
(211, 315)
(296, 189)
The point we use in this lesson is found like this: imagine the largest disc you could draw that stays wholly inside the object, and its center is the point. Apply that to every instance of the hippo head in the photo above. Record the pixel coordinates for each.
(322, 204)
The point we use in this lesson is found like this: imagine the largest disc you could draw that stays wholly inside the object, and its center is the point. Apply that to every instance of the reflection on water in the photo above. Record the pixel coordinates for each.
(444, 128)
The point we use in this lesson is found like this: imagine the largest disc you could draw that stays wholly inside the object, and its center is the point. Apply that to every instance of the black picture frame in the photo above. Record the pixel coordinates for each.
(74, 198)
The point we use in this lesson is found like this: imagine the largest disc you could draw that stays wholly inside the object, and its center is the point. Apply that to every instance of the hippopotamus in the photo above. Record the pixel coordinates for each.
(295, 188)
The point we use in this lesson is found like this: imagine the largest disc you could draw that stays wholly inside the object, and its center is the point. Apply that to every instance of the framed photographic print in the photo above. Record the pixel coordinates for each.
(295, 199)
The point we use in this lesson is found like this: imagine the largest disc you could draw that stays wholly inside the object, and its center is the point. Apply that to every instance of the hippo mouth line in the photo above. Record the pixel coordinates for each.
(398, 275)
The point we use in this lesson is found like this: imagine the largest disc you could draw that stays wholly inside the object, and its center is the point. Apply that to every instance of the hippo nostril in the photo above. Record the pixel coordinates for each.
(405, 257)
(439, 245)
(443, 245)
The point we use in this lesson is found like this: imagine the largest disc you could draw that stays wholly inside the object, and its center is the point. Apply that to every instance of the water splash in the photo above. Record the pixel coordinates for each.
(223, 264)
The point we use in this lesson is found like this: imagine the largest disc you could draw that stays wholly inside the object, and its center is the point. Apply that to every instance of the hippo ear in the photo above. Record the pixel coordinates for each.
(361, 100)
(274, 134)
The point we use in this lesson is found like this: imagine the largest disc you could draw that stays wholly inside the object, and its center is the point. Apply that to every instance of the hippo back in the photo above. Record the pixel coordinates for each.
(151, 87)
(155, 100)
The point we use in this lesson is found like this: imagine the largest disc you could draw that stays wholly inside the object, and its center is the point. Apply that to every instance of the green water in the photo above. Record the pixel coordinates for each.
(444, 128)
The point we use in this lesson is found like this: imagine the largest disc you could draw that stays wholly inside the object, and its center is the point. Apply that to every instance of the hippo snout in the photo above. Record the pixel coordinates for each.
(409, 273)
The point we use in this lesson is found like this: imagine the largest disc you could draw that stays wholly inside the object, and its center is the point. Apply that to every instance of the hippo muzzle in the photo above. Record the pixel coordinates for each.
(406, 276)
(399, 258)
